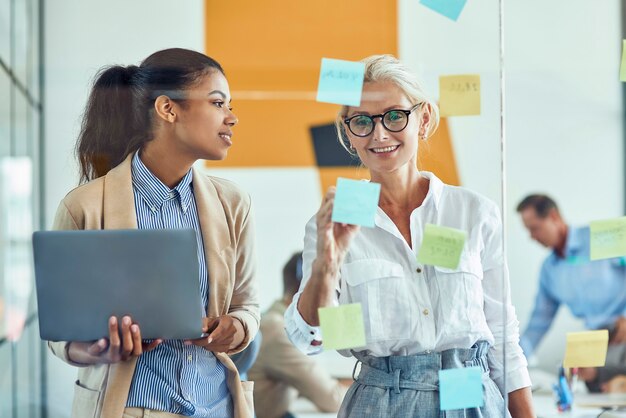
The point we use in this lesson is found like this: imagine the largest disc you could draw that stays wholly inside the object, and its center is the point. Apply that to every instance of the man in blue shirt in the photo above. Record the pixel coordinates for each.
(594, 291)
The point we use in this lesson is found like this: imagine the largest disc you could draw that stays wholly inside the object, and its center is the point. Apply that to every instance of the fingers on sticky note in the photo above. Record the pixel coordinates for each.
(356, 202)
(448, 8)
(459, 95)
(608, 238)
(586, 349)
(342, 327)
(461, 388)
(441, 246)
(341, 82)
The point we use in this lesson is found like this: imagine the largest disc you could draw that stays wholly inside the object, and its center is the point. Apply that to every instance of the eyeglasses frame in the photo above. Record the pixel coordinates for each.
(382, 120)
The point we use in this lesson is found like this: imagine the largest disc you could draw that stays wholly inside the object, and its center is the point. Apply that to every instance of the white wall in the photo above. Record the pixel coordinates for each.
(563, 116)
(565, 129)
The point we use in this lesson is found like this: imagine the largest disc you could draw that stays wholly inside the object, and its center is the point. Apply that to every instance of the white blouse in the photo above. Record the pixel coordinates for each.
(410, 308)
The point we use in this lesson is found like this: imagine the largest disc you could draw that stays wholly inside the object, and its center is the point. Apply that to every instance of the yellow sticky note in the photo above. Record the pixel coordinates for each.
(608, 238)
(586, 349)
(342, 327)
(622, 68)
(459, 95)
(441, 246)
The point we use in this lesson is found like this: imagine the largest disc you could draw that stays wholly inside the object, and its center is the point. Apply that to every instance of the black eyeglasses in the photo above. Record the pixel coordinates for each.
(393, 120)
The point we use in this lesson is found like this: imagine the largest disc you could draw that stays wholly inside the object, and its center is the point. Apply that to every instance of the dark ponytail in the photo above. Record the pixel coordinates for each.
(118, 118)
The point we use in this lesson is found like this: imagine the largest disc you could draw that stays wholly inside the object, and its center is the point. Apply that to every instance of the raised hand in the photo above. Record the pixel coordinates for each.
(333, 239)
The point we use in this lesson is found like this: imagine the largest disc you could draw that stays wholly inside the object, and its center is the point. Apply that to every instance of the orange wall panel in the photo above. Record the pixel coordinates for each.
(273, 50)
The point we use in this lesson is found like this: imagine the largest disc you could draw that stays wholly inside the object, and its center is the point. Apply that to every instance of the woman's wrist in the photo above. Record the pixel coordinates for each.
(326, 271)
(240, 333)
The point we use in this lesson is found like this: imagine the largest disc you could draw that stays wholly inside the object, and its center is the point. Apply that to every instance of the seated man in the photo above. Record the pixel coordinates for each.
(594, 291)
(281, 372)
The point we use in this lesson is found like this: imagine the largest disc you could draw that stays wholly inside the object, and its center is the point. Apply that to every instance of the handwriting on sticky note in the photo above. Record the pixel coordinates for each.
(461, 388)
(342, 327)
(448, 8)
(459, 95)
(356, 202)
(586, 349)
(441, 246)
(622, 69)
(608, 238)
(341, 82)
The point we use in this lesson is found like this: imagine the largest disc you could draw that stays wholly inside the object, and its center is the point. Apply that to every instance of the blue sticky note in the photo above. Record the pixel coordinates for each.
(449, 8)
(356, 202)
(340, 82)
(461, 388)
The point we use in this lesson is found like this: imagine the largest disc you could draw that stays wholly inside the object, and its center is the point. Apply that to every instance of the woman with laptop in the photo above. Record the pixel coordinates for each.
(419, 319)
(143, 128)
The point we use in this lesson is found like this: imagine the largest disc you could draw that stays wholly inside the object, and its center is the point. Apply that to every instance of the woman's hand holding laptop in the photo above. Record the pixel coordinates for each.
(118, 347)
(225, 333)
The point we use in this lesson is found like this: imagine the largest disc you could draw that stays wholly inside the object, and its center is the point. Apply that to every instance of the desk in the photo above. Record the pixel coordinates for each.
(545, 404)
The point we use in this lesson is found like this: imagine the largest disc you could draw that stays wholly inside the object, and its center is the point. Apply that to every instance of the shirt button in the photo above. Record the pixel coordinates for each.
(419, 269)
(425, 311)
(189, 357)
(172, 194)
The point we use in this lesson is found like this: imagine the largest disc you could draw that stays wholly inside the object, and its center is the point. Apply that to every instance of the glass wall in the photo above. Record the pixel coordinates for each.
(562, 117)
(20, 121)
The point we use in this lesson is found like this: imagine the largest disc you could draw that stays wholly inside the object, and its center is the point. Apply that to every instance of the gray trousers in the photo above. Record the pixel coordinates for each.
(408, 386)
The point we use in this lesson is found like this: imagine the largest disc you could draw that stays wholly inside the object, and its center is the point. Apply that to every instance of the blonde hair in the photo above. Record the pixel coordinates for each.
(389, 68)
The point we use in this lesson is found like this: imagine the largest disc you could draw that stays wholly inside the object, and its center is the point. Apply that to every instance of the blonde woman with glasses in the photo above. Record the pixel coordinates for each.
(418, 318)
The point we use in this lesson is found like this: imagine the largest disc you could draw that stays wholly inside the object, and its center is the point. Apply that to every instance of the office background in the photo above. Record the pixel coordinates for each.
(564, 121)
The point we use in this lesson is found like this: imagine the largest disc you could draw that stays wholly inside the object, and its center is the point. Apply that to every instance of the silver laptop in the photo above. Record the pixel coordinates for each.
(84, 277)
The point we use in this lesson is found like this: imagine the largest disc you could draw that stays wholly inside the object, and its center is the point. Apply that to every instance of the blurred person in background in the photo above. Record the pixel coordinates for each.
(594, 291)
(281, 372)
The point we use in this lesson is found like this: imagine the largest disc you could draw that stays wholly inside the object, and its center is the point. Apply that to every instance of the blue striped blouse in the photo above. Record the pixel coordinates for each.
(179, 379)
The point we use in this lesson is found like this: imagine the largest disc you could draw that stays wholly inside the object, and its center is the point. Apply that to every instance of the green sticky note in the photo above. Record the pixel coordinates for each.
(622, 68)
(461, 388)
(441, 246)
(356, 202)
(341, 82)
(459, 95)
(608, 238)
(342, 327)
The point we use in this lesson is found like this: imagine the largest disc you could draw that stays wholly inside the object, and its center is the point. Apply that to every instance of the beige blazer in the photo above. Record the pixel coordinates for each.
(226, 221)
